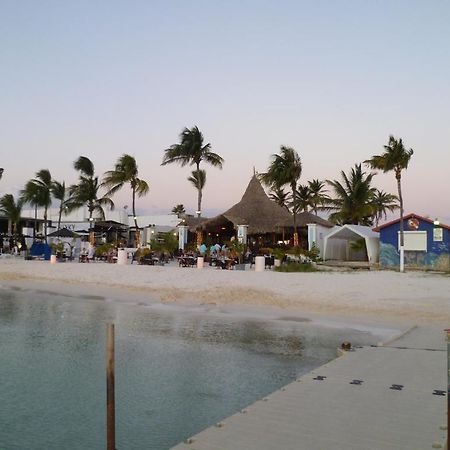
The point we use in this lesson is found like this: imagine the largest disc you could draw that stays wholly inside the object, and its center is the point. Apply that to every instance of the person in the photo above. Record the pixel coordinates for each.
(202, 249)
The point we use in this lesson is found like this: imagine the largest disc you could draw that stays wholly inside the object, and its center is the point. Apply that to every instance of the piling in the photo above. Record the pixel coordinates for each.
(110, 398)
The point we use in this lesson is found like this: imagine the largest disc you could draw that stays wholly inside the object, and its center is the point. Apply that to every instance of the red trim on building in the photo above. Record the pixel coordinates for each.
(407, 217)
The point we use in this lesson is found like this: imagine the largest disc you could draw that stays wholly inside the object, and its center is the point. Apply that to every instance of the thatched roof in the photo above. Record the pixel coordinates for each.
(256, 210)
(261, 214)
(193, 222)
(304, 218)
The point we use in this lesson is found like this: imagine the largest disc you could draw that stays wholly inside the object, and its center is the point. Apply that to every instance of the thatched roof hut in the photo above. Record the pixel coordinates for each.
(261, 214)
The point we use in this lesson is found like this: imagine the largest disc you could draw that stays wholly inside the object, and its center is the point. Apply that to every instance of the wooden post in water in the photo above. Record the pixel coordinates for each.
(447, 332)
(110, 402)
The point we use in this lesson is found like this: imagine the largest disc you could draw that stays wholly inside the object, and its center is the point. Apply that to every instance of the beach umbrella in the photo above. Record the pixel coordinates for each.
(63, 233)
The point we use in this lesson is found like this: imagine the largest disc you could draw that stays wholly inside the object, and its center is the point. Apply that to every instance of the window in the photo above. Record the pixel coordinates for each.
(414, 241)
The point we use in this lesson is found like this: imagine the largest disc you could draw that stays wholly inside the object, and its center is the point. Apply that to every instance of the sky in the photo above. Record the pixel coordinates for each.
(332, 79)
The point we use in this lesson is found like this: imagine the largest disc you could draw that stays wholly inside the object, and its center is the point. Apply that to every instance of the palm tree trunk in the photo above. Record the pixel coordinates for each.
(35, 223)
(60, 215)
(137, 233)
(45, 223)
(91, 225)
(294, 214)
(402, 238)
(199, 195)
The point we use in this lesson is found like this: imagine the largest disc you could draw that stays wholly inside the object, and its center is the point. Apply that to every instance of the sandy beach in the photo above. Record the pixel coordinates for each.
(381, 296)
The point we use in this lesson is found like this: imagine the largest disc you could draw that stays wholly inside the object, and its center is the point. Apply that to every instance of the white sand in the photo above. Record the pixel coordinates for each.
(378, 295)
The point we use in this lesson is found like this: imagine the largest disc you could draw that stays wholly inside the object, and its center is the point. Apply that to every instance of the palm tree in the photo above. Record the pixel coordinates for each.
(179, 210)
(285, 169)
(318, 198)
(11, 209)
(192, 151)
(303, 202)
(394, 159)
(37, 192)
(383, 203)
(280, 197)
(126, 172)
(86, 192)
(59, 193)
(353, 198)
(198, 180)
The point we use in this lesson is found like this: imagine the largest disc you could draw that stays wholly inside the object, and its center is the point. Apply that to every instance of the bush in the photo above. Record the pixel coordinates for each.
(103, 250)
(296, 267)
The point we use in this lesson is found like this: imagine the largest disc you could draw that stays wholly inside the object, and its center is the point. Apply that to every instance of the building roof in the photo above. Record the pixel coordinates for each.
(407, 217)
(348, 231)
(261, 214)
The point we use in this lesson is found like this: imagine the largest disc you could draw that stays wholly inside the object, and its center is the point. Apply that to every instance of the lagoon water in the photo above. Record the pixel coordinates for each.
(176, 372)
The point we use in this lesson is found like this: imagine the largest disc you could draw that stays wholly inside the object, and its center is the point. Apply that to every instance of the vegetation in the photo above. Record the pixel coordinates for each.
(296, 267)
(59, 193)
(192, 151)
(382, 204)
(87, 191)
(285, 169)
(198, 180)
(394, 159)
(38, 192)
(280, 197)
(353, 198)
(11, 209)
(179, 210)
(126, 172)
(317, 195)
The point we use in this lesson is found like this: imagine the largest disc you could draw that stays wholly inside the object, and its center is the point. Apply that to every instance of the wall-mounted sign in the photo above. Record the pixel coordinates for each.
(413, 224)
(438, 235)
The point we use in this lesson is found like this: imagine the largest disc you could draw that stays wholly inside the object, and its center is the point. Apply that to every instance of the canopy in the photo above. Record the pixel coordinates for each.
(63, 233)
(353, 233)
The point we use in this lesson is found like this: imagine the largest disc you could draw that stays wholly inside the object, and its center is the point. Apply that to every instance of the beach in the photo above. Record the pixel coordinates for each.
(385, 297)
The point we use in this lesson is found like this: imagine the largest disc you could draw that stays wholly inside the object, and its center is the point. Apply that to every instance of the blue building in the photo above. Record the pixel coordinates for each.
(427, 243)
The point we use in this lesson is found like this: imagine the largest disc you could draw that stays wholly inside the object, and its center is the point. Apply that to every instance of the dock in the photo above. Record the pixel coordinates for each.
(390, 397)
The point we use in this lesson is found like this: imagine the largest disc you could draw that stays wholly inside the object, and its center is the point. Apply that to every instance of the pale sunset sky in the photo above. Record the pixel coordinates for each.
(333, 79)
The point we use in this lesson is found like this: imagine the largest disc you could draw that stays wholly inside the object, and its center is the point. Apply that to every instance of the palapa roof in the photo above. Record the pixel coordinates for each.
(261, 214)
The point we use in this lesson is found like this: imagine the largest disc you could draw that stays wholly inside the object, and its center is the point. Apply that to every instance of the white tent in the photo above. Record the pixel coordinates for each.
(351, 233)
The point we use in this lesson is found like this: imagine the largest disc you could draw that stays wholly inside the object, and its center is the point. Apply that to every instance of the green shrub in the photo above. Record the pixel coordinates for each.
(103, 250)
(296, 267)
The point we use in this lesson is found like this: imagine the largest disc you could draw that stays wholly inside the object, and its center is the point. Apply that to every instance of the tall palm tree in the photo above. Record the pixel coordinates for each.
(318, 196)
(383, 203)
(198, 180)
(87, 191)
(285, 169)
(59, 193)
(11, 209)
(37, 192)
(126, 172)
(280, 197)
(352, 198)
(192, 151)
(179, 210)
(394, 159)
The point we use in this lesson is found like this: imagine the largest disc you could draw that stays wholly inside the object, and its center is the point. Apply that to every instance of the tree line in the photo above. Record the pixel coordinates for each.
(351, 199)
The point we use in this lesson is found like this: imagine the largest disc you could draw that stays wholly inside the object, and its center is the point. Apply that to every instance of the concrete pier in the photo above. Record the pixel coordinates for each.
(389, 397)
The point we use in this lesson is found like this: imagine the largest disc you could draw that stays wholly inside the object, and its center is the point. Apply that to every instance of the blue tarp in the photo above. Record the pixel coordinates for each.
(40, 249)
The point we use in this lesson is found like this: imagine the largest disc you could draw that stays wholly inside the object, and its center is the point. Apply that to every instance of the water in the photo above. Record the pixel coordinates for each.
(176, 373)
